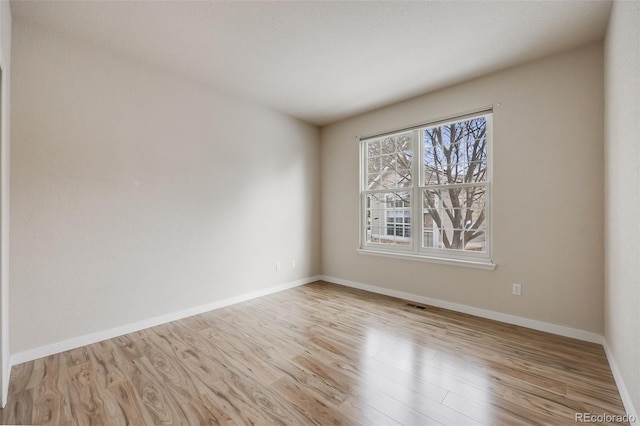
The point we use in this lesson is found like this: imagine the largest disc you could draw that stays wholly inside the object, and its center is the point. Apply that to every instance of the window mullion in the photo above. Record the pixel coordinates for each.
(416, 211)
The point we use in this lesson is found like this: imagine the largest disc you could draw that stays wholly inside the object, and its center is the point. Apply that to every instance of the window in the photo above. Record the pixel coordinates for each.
(426, 190)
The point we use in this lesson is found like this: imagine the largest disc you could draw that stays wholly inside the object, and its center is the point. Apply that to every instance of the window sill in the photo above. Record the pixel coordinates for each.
(478, 264)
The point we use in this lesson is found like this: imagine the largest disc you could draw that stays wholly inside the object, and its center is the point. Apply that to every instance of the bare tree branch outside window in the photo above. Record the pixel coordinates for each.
(455, 161)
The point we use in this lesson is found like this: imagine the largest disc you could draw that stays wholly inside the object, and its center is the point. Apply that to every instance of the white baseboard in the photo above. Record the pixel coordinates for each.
(466, 309)
(76, 342)
(622, 388)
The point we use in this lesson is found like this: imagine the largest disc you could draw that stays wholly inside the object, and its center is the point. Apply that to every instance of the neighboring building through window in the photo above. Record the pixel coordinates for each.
(426, 190)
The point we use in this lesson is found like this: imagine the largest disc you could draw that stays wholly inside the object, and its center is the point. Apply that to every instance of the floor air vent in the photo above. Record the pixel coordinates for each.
(413, 305)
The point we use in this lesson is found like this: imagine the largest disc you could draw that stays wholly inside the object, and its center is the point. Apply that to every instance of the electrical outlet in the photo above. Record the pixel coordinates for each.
(277, 266)
(293, 264)
(517, 289)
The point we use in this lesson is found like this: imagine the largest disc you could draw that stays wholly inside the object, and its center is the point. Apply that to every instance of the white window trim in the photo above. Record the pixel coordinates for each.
(428, 259)
(415, 251)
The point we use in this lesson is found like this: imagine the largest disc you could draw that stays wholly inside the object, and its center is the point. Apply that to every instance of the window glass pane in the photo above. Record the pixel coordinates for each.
(374, 220)
(373, 149)
(456, 217)
(477, 242)
(388, 145)
(372, 182)
(389, 162)
(432, 177)
(373, 165)
(388, 218)
(404, 179)
(456, 152)
(404, 153)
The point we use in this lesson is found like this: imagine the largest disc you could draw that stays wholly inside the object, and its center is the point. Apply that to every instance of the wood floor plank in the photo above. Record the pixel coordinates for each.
(494, 411)
(314, 409)
(166, 368)
(123, 406)
(19, 409)
(21, 377)
(319, 354)
(109, 368)
(50, 395)
(199, 413)
(224, 376)
(391, 407)
(87, 404)
(367, 414)
(223, 402)
(162, 406)
(252, 359)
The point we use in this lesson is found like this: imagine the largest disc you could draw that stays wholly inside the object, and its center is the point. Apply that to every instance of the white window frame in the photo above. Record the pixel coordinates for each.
(414, 250)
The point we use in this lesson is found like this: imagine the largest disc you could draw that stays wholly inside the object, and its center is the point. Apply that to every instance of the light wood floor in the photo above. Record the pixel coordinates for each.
(319, 354)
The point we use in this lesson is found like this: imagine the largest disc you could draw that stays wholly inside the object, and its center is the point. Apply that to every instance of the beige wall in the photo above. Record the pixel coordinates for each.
(547, 194)
(5, 62)
(137, 193)
(622, 195)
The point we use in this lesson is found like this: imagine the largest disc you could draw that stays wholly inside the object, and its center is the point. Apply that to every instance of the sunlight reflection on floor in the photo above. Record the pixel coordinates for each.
(420, 381)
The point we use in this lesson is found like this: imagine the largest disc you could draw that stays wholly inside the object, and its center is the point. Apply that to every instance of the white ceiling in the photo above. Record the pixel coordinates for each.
(324, 61)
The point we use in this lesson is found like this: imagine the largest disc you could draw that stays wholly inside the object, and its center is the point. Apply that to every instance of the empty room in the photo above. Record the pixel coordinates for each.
(320, 212)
